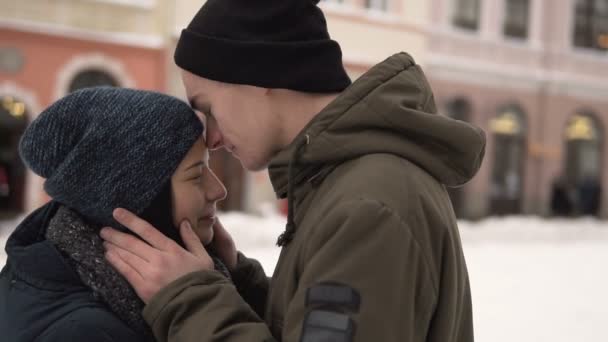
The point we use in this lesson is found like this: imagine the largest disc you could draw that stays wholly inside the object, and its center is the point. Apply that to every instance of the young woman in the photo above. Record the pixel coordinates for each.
(99, 149)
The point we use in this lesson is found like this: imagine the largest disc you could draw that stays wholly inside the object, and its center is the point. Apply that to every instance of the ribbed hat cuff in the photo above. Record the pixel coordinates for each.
(308, 66)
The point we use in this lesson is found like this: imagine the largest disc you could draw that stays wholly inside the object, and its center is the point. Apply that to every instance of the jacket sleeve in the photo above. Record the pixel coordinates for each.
(251, 282)
(364, 278)
(203, 306)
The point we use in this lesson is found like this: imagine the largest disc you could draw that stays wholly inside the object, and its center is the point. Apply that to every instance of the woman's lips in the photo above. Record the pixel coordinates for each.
(210, 219)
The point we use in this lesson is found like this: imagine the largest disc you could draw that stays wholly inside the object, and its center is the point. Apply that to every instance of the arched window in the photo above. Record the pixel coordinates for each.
(583, 147)
(583, 163)
(13, 121)
(92, 78)
(509, 131)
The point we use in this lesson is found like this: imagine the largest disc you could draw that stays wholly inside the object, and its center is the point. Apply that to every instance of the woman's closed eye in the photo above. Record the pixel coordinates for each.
(198, 179)
(197, 176)
(195, 172)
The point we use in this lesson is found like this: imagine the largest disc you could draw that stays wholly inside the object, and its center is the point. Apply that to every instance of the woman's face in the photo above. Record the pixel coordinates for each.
(196, 191)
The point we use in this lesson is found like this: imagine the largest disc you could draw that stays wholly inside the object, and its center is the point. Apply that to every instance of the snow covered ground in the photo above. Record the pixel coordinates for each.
(532, 280)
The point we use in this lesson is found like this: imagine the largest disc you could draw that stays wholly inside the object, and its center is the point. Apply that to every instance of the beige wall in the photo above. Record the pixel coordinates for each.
(368, 37)
(184, 12)
(146, 17)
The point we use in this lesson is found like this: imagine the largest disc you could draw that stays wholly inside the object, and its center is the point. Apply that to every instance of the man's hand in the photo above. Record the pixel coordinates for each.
(151, 267)
(224, 246)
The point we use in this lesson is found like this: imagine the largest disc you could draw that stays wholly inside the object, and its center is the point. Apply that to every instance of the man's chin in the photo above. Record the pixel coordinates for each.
(253, 165)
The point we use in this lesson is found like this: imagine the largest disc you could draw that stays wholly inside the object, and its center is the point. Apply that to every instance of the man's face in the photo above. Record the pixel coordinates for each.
(238, 118)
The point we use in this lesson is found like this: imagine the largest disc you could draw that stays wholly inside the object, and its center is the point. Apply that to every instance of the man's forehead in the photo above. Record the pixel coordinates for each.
(198, 101)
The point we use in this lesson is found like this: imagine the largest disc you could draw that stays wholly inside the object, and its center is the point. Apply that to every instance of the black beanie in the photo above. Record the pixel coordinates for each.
(103, 148)
(270, 44)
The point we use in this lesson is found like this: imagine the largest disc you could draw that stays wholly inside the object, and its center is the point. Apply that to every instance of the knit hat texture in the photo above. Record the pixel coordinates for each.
(270, 44)
(103, 148)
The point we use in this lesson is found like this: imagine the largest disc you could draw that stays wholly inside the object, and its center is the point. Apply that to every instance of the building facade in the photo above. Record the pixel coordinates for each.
(51, 48)
(534, 75)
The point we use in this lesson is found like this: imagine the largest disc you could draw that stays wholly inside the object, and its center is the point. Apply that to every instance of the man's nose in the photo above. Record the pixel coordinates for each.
(214, 136)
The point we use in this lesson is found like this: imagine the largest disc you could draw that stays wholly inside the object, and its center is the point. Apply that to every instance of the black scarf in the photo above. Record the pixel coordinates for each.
(82, 246)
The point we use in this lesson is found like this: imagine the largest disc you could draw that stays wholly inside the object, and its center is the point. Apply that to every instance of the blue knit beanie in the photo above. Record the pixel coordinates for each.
(103, 148)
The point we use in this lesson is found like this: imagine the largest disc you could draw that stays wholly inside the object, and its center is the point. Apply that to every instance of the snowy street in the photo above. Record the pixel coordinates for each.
(532, 280)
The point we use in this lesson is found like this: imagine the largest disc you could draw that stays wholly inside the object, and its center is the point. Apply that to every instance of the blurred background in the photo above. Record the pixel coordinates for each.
(532, 73)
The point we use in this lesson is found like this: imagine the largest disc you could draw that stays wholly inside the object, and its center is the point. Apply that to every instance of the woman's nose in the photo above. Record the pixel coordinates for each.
(215, 189)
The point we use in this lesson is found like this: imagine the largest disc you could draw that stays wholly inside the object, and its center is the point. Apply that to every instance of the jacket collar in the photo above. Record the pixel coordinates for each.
(36, 260)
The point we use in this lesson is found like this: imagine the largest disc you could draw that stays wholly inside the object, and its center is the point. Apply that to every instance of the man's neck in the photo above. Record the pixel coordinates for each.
(299, 111)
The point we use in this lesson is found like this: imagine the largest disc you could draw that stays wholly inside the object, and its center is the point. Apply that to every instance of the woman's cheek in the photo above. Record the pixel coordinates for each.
(196, 204)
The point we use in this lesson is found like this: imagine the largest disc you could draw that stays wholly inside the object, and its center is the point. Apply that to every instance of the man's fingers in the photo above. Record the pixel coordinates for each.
(138, 264)
(128, 242)
(142, 228)
(191, 240)
(224, 246)
(132, 276)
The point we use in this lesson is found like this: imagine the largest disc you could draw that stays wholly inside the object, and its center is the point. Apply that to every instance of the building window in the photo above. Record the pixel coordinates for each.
(458, 109)
(516, 18)
(583, 165)
(377, 5)
(92, 78)
(591, 24)
(466, 14)
(509, 131)
(584, 141)
(13, 121)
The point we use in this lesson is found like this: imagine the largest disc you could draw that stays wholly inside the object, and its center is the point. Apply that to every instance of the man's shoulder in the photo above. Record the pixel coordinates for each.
(383, 164)
(384, 177)
(394, 184)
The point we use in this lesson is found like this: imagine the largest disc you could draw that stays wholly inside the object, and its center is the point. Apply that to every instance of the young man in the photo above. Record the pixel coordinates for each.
(371, 251)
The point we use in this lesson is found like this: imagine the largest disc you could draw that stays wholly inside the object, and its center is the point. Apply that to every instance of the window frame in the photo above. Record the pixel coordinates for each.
(507, 21)
(591, 37)
(458, 20)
